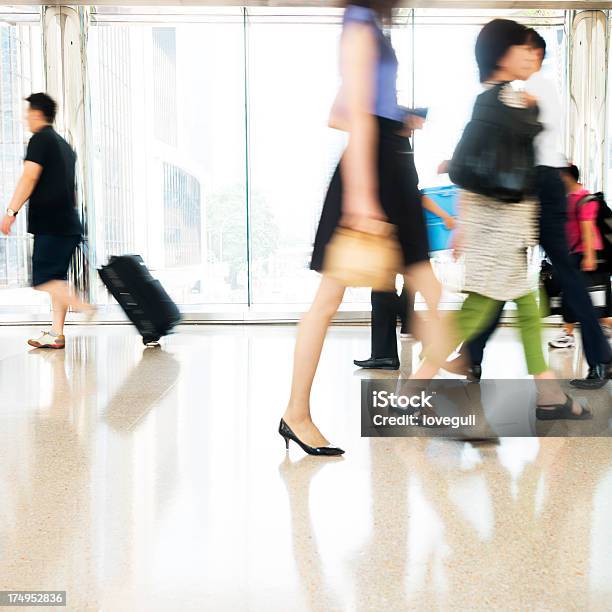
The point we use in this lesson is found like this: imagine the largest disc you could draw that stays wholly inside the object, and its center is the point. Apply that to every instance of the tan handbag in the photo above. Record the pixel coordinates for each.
(363, 259)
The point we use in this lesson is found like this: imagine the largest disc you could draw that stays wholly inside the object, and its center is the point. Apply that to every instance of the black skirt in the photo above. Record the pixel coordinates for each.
(399, 196)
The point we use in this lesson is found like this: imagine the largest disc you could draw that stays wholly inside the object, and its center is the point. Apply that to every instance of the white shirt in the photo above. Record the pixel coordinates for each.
(547, 143)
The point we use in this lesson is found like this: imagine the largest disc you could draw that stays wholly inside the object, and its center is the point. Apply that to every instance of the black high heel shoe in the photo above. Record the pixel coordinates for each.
(321, 451)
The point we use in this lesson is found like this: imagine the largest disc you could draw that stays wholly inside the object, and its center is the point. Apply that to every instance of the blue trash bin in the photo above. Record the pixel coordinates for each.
(446, 198)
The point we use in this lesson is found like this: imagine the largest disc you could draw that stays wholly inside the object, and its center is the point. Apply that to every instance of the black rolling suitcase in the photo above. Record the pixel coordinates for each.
(142, 297)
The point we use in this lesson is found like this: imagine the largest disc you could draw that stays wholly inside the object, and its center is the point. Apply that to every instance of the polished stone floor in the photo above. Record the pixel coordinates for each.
(154, 480)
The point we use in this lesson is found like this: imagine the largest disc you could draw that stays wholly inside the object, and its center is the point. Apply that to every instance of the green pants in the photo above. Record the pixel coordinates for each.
(478, 311)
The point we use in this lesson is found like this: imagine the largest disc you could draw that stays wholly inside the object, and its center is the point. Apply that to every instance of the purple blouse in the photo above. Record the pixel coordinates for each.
(385, 104)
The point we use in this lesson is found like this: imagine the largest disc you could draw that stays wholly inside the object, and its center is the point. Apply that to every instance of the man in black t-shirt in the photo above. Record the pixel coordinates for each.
(48, 183)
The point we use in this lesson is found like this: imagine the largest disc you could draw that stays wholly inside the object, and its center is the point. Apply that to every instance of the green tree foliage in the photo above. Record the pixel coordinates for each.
(226, 227)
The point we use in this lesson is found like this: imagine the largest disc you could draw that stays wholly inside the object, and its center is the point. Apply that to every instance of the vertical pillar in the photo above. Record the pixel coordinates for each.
(64, 47)
(588, 75)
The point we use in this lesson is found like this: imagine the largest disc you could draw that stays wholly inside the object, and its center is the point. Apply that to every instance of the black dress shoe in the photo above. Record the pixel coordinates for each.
(475, 373)
(384, 363)
(597, 377)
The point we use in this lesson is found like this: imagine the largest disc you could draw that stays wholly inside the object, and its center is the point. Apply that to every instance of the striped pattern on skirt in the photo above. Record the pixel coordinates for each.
(495, 240)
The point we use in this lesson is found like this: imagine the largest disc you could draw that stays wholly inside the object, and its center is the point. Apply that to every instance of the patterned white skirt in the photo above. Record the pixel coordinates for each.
(495, 239)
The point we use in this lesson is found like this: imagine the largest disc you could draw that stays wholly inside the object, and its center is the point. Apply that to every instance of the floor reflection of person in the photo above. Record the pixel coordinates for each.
(505, 522)
(46, 542)
(380, 566)
(297, 477)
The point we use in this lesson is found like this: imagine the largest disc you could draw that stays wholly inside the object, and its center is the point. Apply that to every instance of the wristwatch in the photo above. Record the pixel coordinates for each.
(10, 212)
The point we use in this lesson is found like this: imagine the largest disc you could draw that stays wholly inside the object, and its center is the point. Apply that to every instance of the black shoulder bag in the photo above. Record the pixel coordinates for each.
(495, 155)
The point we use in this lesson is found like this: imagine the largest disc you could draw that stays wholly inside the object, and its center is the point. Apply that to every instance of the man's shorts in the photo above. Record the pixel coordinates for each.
(51, 257)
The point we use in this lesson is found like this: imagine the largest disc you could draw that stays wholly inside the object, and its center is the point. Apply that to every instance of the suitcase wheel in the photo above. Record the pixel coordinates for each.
(148, 340)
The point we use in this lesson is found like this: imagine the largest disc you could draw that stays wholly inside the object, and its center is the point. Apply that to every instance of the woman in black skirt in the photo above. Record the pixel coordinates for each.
(376, 179)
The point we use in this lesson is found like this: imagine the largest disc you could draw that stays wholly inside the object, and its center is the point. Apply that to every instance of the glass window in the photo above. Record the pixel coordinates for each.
(169, 164)
(292, 151)
(20, 75)
(211, 153)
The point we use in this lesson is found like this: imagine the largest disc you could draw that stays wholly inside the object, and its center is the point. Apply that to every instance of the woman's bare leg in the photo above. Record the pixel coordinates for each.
(308, 346)
(438, 337)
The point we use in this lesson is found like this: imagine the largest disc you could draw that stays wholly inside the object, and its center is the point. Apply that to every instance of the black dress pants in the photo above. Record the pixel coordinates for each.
(387, 307)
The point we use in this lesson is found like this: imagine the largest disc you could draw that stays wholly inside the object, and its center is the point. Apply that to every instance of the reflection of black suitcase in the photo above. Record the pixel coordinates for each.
(142, 297)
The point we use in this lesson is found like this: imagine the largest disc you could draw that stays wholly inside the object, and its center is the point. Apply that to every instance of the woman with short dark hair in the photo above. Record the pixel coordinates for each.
(501, 43)
(498, 219)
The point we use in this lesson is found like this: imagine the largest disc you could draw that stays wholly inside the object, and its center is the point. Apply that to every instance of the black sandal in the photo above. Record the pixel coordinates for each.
(562, 411)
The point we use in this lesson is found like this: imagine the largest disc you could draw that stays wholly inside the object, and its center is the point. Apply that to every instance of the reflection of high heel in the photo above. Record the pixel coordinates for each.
(322, 451)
